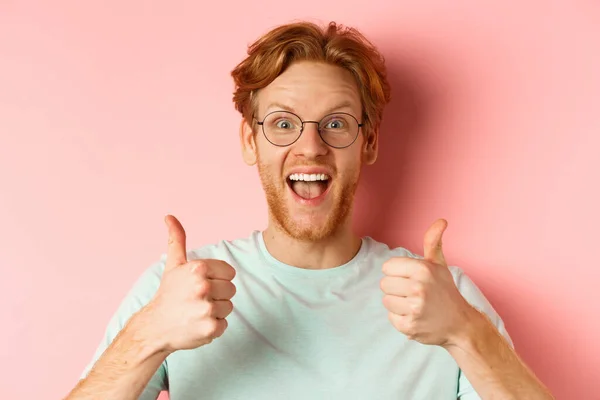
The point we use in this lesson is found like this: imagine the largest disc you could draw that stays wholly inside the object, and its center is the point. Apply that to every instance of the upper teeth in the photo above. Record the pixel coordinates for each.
(309, 177)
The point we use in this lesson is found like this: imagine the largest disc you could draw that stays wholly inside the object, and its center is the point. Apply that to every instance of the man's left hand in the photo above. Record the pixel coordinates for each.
(421, 297)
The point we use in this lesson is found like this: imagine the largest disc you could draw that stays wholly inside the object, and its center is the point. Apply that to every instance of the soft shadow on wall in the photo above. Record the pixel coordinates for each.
(384, 203)
(380, 192)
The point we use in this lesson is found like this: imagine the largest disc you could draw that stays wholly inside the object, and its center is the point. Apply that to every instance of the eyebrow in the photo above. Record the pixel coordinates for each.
(344, 104)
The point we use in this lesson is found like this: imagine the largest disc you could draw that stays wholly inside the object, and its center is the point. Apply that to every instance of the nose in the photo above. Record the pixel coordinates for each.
(310, 145)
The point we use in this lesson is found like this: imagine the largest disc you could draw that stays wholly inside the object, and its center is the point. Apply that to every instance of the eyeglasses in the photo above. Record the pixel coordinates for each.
(283, 128)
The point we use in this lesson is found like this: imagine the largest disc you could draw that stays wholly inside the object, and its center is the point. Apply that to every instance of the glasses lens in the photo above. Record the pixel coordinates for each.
(282, 128)
(339, 130)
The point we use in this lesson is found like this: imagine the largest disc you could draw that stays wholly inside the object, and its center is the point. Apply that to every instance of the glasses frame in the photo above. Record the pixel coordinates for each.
(261, 123)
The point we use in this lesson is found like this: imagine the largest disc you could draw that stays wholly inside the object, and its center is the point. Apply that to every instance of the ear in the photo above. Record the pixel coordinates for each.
(248, 142)
(371, 147)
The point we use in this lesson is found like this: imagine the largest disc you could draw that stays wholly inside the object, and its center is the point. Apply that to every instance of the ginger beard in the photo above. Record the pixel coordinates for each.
(306, 224)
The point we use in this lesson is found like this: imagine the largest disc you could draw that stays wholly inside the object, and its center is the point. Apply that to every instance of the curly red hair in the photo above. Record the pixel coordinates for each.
(335, 44)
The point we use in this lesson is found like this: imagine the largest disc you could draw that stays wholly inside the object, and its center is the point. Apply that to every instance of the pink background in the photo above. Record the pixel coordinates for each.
(114, 113)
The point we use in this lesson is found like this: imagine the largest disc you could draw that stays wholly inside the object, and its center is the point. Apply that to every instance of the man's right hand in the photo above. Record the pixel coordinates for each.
(192, 301)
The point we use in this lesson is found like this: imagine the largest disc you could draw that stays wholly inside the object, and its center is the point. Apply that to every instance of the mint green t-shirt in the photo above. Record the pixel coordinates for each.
(303, 334)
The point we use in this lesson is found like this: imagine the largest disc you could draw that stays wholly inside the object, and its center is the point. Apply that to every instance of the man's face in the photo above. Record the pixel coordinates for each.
(312, 210)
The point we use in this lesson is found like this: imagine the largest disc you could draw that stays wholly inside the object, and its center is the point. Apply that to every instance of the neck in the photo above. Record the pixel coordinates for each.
(330, 252)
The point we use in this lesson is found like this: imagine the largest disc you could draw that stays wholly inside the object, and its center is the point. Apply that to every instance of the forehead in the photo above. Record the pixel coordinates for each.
(311, 89)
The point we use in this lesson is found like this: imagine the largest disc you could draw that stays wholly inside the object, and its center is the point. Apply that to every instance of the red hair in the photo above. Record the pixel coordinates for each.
(275, 51)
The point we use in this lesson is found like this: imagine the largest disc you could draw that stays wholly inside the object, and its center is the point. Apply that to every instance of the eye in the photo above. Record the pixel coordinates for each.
(335, 124)
(284, 124)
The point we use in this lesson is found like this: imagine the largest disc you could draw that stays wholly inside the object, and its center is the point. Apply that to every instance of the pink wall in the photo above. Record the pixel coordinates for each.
(115, 113)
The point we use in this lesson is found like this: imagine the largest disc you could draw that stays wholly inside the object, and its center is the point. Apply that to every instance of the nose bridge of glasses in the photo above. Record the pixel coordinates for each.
(317, 125)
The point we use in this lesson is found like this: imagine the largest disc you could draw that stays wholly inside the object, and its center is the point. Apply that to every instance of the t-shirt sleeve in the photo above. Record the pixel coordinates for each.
(476, 298)
(140, 294)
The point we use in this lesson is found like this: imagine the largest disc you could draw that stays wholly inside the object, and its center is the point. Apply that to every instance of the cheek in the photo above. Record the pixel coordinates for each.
(350, 164)
(266, 151)
(271, 158)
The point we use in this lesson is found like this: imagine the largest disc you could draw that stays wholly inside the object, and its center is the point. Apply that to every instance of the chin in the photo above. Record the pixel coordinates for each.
(307, 226)
(307, 233)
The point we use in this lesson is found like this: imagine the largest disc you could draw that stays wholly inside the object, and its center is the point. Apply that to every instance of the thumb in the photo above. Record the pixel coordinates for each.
(433, 242)
(176, 253)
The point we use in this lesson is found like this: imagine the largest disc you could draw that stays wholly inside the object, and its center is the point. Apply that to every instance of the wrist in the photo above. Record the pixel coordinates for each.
(473, 326)
(141, 330)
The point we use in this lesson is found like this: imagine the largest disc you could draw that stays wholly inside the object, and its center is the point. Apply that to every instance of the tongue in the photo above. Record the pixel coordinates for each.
(308, 190)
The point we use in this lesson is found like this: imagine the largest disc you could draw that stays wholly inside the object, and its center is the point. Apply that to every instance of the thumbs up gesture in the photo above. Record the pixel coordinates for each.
(421, 297)
(193, 299)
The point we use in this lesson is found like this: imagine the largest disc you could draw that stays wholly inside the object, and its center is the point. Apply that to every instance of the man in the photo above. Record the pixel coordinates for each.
(319, 313)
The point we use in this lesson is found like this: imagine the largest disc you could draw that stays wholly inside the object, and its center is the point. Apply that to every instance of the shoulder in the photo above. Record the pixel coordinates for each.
(225, 249)
(377, 249)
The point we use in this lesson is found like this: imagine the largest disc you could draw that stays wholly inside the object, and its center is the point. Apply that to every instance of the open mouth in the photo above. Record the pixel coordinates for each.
(309, 186)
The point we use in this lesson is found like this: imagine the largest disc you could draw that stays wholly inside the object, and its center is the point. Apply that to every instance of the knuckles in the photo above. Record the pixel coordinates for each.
(410, 329)
(418, 290)
(424, 274)
(389, 266)
(423, 269)
(416, 306)
(384, 284)
(210, 327)
(200, 267)
(208, 309)
(202, 288)
(405, 325)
